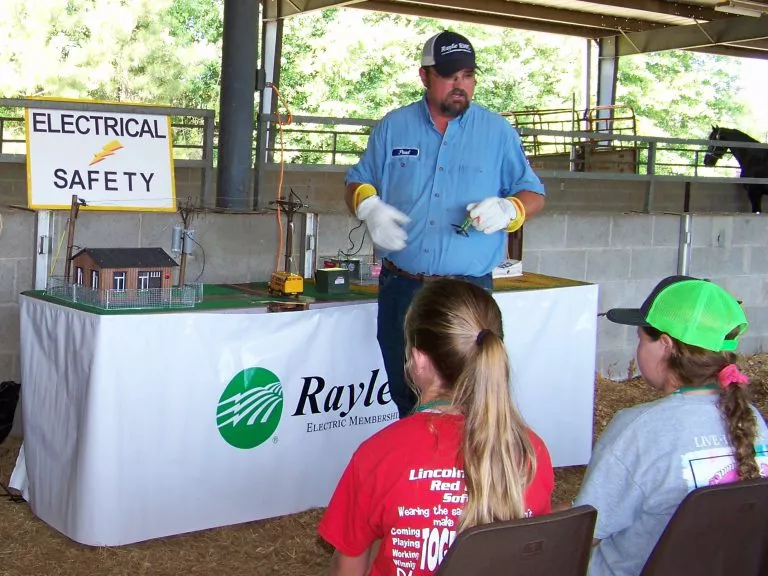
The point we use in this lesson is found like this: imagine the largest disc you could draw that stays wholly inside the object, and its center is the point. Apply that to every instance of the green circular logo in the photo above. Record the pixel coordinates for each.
(250, 407)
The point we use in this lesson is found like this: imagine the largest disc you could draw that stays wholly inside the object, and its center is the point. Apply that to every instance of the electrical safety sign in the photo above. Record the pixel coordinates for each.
(110, 160)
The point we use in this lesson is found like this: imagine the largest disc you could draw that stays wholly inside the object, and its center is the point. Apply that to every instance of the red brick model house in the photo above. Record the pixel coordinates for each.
(123, 268)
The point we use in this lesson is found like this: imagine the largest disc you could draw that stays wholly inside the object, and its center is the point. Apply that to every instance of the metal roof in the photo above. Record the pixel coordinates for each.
(639, 25)
(129, 257)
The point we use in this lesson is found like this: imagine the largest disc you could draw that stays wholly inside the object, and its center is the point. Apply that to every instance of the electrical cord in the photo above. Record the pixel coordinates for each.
(58, 250)
(280, 122)
(352, 243)
(202, 269)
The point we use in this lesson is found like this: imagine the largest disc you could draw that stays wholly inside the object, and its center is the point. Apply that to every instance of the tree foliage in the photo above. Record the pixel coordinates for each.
(336, 62)
(158, 51)
(333, 65)
(679, 93)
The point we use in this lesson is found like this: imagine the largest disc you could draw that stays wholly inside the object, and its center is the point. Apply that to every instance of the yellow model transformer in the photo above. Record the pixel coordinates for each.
(286, 284)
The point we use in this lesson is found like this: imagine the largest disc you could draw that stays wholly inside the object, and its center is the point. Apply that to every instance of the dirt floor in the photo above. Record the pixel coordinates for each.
(280, 546)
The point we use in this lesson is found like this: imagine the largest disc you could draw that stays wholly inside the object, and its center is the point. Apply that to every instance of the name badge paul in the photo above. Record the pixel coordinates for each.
(112, 160)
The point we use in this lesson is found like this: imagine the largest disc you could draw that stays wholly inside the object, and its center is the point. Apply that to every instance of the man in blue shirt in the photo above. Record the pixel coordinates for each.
(427, 167)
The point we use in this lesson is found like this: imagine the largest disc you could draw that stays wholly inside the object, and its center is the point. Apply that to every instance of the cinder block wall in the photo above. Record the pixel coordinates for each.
(323, 188)
(627, 254)
(624, 252)
(17, 243)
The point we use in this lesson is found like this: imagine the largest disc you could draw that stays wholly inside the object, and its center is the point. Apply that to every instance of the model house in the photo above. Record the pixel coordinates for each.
(123, 268)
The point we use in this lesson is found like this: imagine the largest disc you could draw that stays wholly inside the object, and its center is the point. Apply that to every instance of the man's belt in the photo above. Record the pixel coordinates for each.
(405, 274)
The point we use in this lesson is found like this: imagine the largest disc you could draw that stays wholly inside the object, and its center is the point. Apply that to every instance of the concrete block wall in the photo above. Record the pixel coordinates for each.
(323, 189)
(17, 241)
(624, 252)
(232, 248)
(627, 254)
(630, 196)
(13, 183)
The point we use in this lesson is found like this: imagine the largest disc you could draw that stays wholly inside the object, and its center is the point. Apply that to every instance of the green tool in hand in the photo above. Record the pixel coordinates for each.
(463, 229)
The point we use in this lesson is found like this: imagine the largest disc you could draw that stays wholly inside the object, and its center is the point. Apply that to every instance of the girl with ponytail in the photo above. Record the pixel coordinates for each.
(462, 459)
(703, 431)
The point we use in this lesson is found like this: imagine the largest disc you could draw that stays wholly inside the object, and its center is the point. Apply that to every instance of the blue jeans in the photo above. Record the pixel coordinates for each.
(395, 295)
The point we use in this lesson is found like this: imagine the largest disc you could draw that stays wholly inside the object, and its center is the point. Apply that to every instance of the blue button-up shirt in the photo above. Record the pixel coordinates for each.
(432, 177)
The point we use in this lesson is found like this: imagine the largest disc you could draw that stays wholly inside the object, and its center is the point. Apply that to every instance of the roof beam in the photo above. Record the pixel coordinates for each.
(717, 33)
(680, 9)
(524, 11)
(734, 51)
(275, 9)
(479, 18)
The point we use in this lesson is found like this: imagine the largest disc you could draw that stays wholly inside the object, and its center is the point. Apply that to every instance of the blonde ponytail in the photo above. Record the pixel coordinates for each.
(458, 325)
(498, 456)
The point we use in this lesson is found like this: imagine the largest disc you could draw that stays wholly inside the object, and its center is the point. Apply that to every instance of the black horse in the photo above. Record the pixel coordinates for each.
(753, 161)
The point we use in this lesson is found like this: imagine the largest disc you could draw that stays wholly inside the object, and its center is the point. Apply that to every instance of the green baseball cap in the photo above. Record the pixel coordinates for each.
(694, 311)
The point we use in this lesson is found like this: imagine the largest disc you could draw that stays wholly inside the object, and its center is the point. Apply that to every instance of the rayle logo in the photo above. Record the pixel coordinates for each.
(250, 407)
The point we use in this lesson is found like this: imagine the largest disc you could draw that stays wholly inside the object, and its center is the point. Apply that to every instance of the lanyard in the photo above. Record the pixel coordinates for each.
(428, 405)
(685, 389)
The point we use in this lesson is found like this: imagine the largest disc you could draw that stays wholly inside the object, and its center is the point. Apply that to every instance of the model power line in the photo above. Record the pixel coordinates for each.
(285, 282)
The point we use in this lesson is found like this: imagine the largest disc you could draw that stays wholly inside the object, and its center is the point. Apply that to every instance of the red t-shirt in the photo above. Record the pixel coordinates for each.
(405, 486)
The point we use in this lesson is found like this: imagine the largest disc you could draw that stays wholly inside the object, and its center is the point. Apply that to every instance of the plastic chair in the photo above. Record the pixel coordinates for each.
(716, 531)
(557, 543)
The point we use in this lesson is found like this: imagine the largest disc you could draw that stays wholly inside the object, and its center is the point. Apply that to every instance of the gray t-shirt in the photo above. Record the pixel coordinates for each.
(649, 457)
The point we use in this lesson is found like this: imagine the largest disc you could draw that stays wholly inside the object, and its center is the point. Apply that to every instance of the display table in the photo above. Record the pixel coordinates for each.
(138, 426)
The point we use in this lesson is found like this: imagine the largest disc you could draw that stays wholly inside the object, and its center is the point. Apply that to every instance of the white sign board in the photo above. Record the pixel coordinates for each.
(112, 161)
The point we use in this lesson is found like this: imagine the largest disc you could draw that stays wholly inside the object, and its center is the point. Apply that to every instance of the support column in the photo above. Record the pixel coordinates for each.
(587, 75)
(607, 71)
(238, 83)
(271, 52)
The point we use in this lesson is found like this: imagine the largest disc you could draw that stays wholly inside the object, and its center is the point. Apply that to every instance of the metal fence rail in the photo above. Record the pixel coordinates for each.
(129, 299)
(339, 142)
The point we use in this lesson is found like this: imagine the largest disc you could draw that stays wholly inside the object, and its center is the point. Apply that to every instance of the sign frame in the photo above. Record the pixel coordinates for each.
(67, 146)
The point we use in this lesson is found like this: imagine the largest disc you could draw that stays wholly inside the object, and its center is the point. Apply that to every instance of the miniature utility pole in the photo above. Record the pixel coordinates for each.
(290, 207)
(73, 210)
(186, 217)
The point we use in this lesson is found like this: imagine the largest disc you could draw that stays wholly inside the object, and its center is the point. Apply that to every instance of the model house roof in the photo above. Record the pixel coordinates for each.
(129, 257)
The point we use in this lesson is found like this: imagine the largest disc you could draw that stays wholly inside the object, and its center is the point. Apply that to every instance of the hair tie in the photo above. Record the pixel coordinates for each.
(482, 334)
(732, 375)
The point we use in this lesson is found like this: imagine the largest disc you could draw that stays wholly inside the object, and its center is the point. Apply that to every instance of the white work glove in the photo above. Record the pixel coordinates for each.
(384, 223)
(492, 214)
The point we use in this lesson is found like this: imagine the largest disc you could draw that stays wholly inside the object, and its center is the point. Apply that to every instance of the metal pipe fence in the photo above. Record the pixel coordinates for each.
(109, 299)
(339, 142)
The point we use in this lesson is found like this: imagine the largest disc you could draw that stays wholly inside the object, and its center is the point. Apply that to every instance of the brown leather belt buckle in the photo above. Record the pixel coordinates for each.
(400, 272)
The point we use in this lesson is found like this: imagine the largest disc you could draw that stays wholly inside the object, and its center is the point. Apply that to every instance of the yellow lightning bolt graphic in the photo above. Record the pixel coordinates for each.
(108, 150)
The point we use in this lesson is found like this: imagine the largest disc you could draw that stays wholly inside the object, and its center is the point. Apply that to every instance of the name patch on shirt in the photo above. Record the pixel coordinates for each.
(399, 152)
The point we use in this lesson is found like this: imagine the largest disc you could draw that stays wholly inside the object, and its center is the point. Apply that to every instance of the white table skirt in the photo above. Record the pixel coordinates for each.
(122, 441)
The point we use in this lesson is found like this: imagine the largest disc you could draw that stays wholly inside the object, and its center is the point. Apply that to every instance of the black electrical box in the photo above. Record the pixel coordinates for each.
(332, 280)
(354, 265)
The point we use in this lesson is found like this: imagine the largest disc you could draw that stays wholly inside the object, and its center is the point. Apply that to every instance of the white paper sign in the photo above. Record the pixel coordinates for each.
(110, 160)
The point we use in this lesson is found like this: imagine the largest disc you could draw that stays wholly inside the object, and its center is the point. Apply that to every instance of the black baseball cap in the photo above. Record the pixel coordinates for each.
(448, 52)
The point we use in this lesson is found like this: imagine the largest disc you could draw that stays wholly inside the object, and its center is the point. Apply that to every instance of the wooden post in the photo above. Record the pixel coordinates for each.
(186, 217)
(289, 241)
(183, 262)
(73, 210)
(515, 245)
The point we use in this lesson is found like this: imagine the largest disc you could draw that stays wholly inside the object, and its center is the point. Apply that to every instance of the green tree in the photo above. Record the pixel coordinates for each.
(105, 49)
(331, 66)
(680, 93)
(336, 62)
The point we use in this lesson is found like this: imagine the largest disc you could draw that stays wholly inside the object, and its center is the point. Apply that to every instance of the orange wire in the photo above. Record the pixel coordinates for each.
(280, 123)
